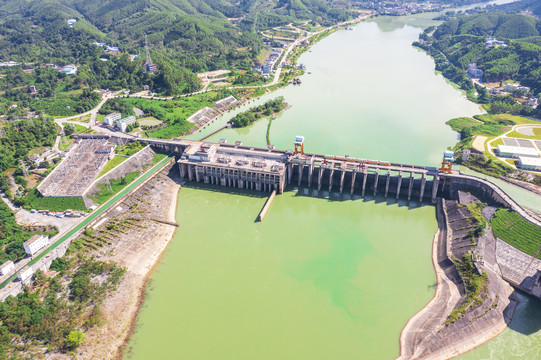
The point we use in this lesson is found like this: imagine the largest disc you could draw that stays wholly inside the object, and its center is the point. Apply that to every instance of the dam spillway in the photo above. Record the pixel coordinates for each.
(269, 169)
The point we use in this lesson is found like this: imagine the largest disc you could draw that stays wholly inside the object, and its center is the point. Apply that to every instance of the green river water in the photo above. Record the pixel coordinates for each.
(322, 277)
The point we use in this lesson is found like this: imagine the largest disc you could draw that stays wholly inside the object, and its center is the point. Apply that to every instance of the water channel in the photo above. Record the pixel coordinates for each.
(322, 277)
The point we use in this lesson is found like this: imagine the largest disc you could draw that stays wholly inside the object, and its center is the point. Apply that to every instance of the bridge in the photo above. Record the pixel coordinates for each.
(269, 169)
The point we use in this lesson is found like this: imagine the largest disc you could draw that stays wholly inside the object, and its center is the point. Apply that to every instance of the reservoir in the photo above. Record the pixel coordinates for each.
(325, 277)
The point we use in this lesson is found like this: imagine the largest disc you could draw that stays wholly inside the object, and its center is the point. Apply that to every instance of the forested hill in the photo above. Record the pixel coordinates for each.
(491, 24)
(522, 5)
(184, 36)
(459, 42)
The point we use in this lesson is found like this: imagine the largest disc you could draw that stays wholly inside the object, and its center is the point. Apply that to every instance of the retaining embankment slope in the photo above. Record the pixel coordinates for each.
(426, 336)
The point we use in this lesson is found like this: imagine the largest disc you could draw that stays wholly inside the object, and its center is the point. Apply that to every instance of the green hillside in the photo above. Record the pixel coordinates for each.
(522, 5)
(185, 37)
(459, 42)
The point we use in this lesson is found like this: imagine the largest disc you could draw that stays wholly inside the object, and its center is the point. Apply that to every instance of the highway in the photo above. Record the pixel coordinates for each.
(92, 216)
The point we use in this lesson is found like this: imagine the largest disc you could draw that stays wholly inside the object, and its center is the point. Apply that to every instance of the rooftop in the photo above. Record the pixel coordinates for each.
(517, 150)
(230, 157)
(529, 161)
(33, 239)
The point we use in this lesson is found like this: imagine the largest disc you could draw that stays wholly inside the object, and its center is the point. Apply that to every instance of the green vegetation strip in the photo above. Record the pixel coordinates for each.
(111, 164)
(91, 217)
(512, 228)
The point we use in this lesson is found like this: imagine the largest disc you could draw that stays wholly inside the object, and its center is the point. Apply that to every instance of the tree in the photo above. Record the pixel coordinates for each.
(69, 129)
(74, 339)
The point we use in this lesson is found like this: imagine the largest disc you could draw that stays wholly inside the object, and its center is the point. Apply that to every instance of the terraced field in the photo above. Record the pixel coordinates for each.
(514, 230)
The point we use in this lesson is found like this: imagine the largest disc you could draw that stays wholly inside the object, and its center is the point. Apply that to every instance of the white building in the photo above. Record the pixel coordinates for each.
(516, 151)
(122, 124)
(6, 267)
(25, 273)
(35, 244)
(529, 163)
(71, 22)
(532, 102)
(110, 119)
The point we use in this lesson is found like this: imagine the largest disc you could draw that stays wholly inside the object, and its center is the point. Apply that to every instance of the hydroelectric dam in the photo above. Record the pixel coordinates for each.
(269, 169)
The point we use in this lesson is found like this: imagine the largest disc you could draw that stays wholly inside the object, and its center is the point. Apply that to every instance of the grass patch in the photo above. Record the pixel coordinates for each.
(111, 164)
(476, 212)
(476, 287)
(129, 149)
(34, 200)
(510, 161)
(496, 142)
(516, 134)
(105, 192)
(149, 121)
(65, 142)
(457, 124)
(157, 158)
(516, 231)
(499, 118)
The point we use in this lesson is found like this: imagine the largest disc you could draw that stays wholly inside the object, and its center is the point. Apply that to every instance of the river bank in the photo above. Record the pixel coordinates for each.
(139, 250)
(428, 335)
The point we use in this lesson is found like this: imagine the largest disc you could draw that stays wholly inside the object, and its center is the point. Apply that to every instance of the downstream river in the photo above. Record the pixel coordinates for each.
(325, 277)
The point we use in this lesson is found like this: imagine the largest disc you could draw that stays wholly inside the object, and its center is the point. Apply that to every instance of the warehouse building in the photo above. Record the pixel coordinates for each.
(529, 163)
(516, 151)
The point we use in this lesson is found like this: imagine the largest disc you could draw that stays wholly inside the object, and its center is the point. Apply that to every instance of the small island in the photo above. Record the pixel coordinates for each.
(270, 108)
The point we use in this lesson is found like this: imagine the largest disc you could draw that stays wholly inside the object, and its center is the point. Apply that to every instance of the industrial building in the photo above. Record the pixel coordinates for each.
(516, 151)
(234, 167)
(111, 119)
(35, 244)
(6, 267)
(529, 163)
(122, 124)
(25, 273)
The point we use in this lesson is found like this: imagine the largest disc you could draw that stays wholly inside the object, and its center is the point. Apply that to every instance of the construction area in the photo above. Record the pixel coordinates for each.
(76, 173)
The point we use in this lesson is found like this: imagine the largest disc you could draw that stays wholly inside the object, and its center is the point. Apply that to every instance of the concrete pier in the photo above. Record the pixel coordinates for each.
(422, 191)
(365, 175)
(266, 207)
(435, 184)
(342, 182)
(319, 177)
(410, 186)
(376, 182)
(331, 180)
(399, 184)
(353, 176)
(387, 182)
